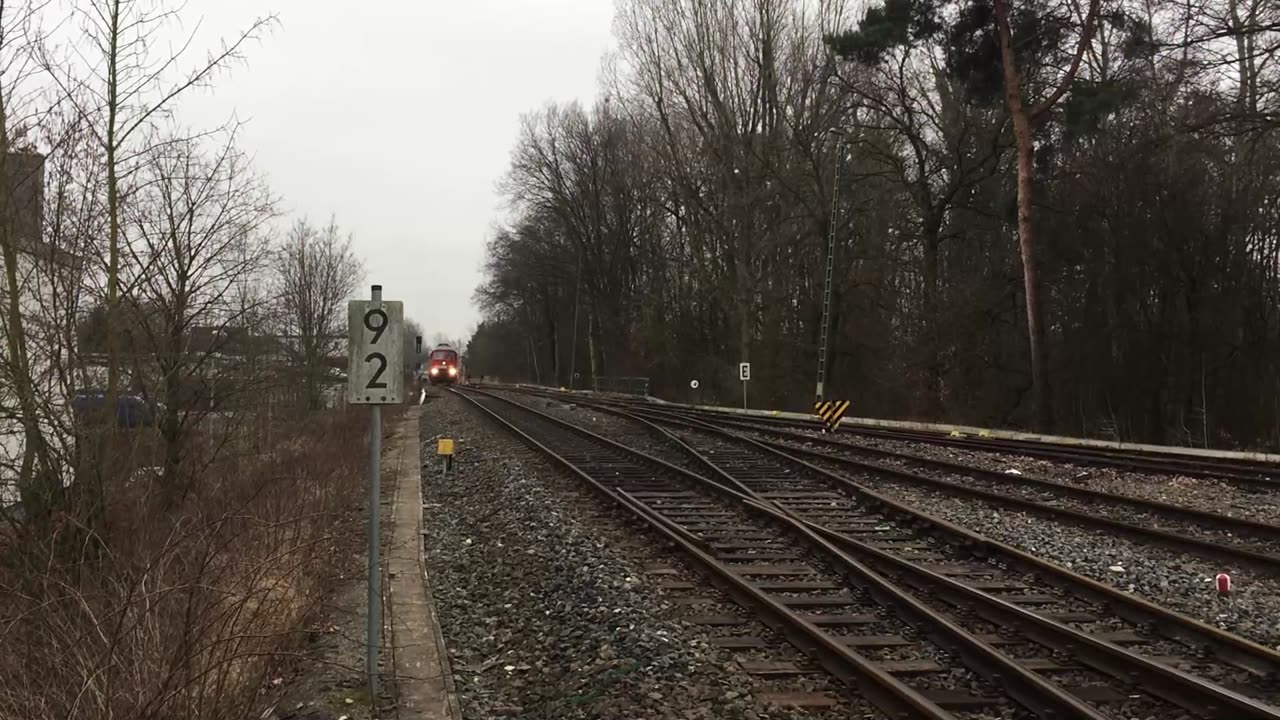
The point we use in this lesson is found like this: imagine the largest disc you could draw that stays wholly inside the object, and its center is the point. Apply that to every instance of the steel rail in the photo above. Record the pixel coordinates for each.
(1182, 542)
(1024, 685)
(1248, 472)
(1227, 647)
(882, 689)
(1196, 545)
(879, 687)
(1021, 684)
(1218, 520)
(1244, 468)
(1186, 690)
(1245, 472)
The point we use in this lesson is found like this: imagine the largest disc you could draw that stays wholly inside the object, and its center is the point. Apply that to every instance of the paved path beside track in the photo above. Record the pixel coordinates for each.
(424, 680)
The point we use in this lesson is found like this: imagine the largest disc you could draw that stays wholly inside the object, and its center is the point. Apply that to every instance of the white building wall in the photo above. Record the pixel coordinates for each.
(37, 303)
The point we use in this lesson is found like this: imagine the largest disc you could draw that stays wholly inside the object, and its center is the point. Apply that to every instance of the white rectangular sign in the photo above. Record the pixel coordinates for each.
(744, 371)
(375, 364)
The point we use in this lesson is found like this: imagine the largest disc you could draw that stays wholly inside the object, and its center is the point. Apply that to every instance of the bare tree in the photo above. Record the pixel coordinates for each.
(28, 376)
(911, 126)
(197, 232)
(316, 271)
(154, 608)
(732, 103)
(1141, 203)
(20, 249)
(1024, 120)
(440, 338)
(126, 87)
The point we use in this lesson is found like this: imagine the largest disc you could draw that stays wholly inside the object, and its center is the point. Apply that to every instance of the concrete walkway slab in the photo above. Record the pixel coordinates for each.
(425, 689)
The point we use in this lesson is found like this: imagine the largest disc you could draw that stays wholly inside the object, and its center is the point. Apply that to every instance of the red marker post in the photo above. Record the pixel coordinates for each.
(1223, 583)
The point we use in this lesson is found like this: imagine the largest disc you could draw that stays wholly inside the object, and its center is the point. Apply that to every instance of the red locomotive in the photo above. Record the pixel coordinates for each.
(443, 366)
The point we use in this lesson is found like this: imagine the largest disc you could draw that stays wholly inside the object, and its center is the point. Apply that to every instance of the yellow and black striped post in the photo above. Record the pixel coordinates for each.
(831, 411)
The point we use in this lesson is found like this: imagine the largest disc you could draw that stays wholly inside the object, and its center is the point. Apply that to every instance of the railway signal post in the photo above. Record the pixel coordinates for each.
(375, 377)
(744, 374)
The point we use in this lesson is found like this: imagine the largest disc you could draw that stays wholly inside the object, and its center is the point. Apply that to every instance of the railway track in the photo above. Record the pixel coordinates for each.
(1264, 476)
(1233, 539)
(1259, 473)
(828, 569)
(1248, 473)
(1208, 534)
(796, 600)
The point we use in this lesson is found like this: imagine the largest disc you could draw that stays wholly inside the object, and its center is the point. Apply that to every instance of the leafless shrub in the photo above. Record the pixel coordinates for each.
(159, 571)
(181, 617)
(316, 271)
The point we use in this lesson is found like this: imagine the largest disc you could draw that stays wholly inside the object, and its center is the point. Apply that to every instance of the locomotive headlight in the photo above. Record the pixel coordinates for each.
(435, 371)
(453, 371)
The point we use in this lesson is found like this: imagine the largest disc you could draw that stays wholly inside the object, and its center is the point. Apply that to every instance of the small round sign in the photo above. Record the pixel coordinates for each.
(693, 384)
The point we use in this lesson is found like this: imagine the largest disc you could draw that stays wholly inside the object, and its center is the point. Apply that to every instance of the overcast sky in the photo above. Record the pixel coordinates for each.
(398, 116)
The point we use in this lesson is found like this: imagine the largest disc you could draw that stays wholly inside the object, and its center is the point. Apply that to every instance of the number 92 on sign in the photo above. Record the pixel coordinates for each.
(375, 345)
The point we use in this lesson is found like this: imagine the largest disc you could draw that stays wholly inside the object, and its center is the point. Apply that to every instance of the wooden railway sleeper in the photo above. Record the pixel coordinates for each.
(1022, 685)
(882, 689)
(1230, 648)
(1183, 689)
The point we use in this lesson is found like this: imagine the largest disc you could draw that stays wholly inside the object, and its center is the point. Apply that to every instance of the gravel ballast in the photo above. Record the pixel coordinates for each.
(1218, 529)
(543, 599)
(1220, 496)
(611, 426)
(1175, 580)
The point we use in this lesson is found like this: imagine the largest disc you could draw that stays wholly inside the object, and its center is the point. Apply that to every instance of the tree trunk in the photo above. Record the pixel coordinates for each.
(1023, 122)
(313, 371)
(37, 482)
(548, 309)
(112, 320)
(1026, 233)
(573, 342)
(933, 326)
(591, 344)
(533, 358)
(170, 425)
(1031, 277)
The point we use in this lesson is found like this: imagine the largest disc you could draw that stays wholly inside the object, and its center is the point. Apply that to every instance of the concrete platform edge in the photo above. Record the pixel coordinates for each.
(425, 686)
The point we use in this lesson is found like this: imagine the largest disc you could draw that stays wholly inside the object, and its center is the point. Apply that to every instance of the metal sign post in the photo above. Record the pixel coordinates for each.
(825, 331)
(744, 374)
(375, 377)
(418, 371)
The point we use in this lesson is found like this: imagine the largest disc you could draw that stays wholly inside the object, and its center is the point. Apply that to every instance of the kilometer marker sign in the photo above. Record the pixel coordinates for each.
(375, 364)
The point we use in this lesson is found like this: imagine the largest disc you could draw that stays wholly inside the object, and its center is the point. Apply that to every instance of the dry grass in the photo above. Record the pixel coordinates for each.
(179, 613)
